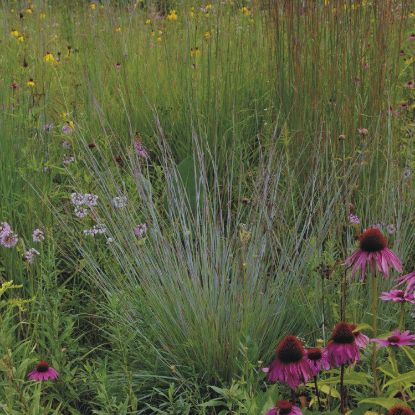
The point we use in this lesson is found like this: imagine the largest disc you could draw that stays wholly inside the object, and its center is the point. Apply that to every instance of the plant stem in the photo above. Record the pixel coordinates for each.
(320, 408)
(343, 290)
(342, 392)
(374, 281)
(402, 316)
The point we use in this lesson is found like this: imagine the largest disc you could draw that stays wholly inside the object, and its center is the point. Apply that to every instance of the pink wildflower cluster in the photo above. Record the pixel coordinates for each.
(8, 238)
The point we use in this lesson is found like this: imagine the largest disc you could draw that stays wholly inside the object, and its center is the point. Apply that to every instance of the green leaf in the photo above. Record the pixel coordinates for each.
(408, 377)
(383, 402)
(410, 353)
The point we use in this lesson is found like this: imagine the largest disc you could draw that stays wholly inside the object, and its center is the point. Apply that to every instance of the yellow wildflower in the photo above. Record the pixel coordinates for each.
(42, 15)
(14, 33)
(195, 52)
(207, 35)
(30, 83)
(172, 16)
(20, 38)
(29, 10)
(118, 29)
(209, 7)
(245, 11)
(148, 21)
(49, 57)
(192, 12)
(93, 6)
(159, 39)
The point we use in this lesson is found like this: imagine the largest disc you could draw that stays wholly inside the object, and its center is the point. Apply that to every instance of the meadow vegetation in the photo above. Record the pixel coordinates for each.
(181, 185)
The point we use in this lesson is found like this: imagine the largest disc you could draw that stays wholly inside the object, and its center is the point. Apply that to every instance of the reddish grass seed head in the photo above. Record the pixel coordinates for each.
(42, 366)
(343, 333)
(314, 353)
(284, 407)
(290, 350)
(372, 240)
(400, 410)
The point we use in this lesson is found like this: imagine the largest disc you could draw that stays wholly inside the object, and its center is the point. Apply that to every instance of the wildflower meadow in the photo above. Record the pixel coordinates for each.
(207, 207)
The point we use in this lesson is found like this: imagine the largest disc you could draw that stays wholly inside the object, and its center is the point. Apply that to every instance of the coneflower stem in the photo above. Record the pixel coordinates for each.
(320, 408)
(342, 392)
(402, 316)
(343, 291)
(375, 332)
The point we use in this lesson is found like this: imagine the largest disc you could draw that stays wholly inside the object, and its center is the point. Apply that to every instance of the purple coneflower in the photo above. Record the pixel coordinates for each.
(397, 296)
(9, 240)
(361, 339)
(400, 410)
(317, 359)
(342, 347)
(409, 279)
(397, 339)
(284, 408)
(5, 228)
(38, 235)
(43, 372)
(140, 230)
(373, 251)
(290, 365)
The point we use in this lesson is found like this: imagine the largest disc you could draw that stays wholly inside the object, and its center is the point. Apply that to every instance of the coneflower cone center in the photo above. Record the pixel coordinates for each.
(290, 350)
(284, 407)
(343, 334)
(400, 410)
(393, 339)
(42, 366)
(314, 354)
(372, 240)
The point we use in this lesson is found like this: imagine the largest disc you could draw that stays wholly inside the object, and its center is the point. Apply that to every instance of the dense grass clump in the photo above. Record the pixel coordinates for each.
(184, 183)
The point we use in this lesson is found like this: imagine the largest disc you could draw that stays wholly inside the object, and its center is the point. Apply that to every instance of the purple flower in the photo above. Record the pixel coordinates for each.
(397, 339)
(78, 199)
(67, 160)
(284, 408)
(373, 251)
(354, 219)
(38, 235)
(317, 359)
(66, 144)
(30, 255)
(68, 129)
(48, 127)
(9, 240)
(90, 199)
(290, 365)
(397, 296)
(409, 279)
(140, 150)
(5, 228)
(342, 348)
(140, 230)
(80, 212)
(43, 372)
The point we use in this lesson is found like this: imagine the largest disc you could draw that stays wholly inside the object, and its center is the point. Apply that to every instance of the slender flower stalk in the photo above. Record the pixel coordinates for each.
(375, 331)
